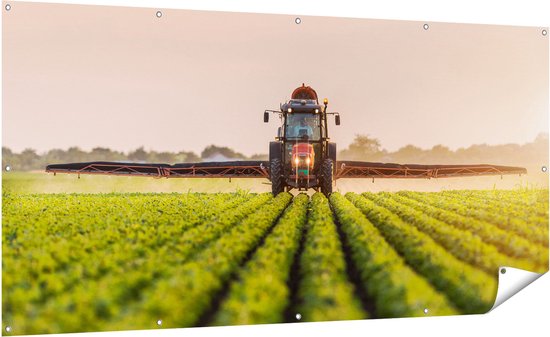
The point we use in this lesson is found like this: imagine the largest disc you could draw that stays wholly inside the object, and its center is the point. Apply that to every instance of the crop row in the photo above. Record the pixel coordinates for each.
(325, 292)
(530, 205)
(523, 221)
(397, 291)
(527, 221)
(182, 299)
(507, 242)
(470, 289)
(260, 294)
(162, 263)
(463, 244)
(83, 247)
(109, 266)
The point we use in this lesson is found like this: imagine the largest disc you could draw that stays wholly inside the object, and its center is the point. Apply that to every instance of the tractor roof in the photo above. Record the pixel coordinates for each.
(304, 92)
(302, 105)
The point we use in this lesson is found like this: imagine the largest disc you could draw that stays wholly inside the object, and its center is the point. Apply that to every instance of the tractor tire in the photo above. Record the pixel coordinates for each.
(326, 177)
(276, 173)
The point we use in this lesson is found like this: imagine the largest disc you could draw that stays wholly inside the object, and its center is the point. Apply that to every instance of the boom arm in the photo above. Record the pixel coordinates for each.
(360, 169)
(260, 169)
(234, 169)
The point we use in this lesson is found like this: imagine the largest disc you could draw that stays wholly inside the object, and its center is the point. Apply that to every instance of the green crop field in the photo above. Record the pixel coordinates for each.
(97, 262)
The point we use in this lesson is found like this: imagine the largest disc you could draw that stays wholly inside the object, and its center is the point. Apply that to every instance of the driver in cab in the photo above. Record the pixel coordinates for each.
(303, 130)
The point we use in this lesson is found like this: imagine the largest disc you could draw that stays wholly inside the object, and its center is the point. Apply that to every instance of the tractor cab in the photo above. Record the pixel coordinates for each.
(302, 157)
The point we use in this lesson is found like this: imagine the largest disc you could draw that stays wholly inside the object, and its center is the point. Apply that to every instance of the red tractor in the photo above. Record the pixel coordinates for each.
(302, 157)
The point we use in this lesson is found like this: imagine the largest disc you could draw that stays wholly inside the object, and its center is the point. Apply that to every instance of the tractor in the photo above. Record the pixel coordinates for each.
(302, 156)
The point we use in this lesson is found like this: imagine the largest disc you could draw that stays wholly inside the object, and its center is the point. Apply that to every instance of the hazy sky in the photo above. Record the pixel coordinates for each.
(122, 78)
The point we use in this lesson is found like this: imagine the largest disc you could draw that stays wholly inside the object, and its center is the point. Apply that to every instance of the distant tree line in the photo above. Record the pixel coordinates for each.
(29, 159)
(364, 148)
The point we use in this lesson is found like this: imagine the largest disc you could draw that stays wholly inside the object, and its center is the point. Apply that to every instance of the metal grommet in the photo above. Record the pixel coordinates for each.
(426, 26)
(503, 270)
(158, 14)
(298, 21)
(544, 32)
(7, 7)
(544, 169)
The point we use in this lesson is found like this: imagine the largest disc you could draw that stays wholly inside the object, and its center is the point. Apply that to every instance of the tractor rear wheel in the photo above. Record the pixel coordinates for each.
(276, 174)
(326, 177)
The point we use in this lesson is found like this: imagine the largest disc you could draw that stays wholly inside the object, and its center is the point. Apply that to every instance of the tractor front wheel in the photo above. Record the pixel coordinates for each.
(326, 177)
(276, 174)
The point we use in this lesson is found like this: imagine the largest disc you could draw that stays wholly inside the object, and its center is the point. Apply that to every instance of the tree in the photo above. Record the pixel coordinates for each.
(213, 150)
(409, 154)
(139, 155)
(187, 157)
(57, 156)
(76, 154)
(106, 154)
(161, 157)
(439, 154)
(537, 151)
(29, 160)
(363, 148)
(10, 159)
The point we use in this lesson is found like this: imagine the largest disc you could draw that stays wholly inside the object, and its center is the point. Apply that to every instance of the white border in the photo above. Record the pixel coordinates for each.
(511, 281)
(501, 12)
(525, 312)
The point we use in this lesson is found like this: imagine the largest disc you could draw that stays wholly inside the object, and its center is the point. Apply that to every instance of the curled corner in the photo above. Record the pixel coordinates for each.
(511, 281)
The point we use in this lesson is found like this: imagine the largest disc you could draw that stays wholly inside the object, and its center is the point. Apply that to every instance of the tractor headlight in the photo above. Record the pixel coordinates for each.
(296, 161)
(308, 161)
(289, 110)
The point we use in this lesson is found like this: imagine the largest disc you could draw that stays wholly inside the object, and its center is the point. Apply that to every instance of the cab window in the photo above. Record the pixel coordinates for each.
(302, 126)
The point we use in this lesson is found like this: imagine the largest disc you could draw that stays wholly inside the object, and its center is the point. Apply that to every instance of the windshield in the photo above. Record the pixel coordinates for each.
(302, 126)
